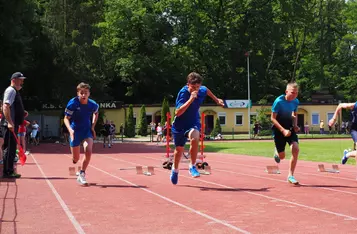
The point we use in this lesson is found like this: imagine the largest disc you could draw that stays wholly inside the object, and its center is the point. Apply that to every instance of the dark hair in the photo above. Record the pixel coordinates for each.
(83, 86)
(194, 78)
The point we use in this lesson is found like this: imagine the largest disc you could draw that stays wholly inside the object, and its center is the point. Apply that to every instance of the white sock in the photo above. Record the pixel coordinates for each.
(175, 170)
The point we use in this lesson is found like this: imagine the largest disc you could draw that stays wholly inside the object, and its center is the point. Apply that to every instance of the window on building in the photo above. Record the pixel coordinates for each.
(329, 116)
(315, 118)
(222, 118)
(239, 118)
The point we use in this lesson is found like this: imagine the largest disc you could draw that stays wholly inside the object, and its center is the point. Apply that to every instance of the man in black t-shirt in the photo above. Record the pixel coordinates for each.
(13, 117)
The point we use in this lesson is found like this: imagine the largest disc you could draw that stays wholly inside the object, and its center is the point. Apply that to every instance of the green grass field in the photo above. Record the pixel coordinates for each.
(301, 136)
(313, 150)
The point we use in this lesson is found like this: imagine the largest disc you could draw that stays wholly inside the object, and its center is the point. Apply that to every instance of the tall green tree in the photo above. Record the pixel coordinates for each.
(164, 110)
(143, 125)
(135, 40)
(217, 128)
(130, 125)
(173, 115)
(263, 117)
(71, 26)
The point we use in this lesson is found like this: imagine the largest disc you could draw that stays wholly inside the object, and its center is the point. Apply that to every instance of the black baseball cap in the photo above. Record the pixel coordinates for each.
(18, 75)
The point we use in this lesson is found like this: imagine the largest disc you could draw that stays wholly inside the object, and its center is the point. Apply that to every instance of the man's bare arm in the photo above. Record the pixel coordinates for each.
(7, 113)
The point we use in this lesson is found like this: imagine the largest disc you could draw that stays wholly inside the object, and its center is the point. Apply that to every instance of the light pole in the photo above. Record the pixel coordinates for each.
(247, 55)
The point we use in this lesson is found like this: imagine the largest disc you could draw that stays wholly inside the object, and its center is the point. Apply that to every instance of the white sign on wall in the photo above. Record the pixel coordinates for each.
(237, 103)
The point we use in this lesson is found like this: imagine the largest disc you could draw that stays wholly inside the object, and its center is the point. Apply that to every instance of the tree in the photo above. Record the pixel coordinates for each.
(217, 128)
(122, 47)
(165, 108)
(173, 115)
(263, 117)
(143, 125)
(130, 126)
(135, 38)
(71, 28)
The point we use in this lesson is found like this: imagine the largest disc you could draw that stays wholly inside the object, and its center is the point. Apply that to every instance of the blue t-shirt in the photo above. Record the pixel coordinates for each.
(191, 117)
(81, 114)
(284, 110)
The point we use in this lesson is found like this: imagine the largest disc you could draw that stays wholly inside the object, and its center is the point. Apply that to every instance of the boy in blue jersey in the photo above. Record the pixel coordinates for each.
(186, 124)
(284, 118)
(353, 108)
(81, 116)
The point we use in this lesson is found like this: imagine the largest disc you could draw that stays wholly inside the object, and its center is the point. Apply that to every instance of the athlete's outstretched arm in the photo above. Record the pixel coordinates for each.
(338, 110)
(217, 100)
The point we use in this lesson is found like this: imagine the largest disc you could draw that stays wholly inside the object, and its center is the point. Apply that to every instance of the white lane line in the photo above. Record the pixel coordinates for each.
(69, 214)
(174, 202)
(347, 217)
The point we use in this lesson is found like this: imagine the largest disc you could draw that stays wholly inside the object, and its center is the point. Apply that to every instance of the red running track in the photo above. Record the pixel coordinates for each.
(238, 197)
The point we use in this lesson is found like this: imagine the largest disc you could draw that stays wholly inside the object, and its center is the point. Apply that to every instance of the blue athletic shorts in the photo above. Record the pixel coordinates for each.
(79, 136)
(180, 137)
(21, 134)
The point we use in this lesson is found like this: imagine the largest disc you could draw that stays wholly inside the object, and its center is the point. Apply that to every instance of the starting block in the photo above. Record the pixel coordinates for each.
(206, 170)
(140, 170)
(272, 170)
(203, 167)
(335, 169)
(167, 165)
(72, 170)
